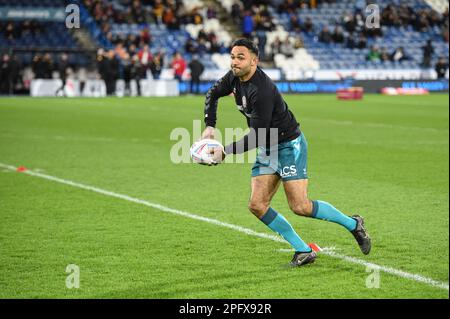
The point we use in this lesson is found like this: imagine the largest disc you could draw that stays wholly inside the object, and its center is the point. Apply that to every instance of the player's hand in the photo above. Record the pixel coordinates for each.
(208, 133)
(218, 155)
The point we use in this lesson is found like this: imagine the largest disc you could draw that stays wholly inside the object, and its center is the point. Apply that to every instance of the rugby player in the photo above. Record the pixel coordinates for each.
(282, 152)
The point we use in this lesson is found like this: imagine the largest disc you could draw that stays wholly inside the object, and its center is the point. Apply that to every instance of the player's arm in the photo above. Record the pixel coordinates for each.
(261, 118)
(222, 87)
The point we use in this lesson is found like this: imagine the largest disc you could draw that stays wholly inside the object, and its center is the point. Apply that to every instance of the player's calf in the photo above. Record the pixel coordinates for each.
(302, 208)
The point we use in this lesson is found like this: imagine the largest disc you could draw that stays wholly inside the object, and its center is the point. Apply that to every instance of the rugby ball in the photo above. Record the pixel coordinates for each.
(199, 151)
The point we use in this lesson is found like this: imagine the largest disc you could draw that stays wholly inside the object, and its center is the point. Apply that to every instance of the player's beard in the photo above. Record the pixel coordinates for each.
(240, 72)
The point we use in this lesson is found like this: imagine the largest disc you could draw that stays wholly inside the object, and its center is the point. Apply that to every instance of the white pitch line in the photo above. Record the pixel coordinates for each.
(328, 252)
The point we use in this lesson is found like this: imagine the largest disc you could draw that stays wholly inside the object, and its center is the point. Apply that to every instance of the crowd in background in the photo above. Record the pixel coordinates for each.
(131, 56)
(171, 13)
(15, 30)
(348, 30)
(10, 69)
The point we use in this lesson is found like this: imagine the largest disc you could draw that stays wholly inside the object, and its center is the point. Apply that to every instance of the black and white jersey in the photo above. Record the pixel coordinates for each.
(259, 100)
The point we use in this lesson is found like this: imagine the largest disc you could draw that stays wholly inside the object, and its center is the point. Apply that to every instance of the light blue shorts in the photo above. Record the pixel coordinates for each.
(288, 160)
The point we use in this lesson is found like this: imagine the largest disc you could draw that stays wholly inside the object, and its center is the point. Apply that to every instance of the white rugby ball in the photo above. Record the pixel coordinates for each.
(199, 150)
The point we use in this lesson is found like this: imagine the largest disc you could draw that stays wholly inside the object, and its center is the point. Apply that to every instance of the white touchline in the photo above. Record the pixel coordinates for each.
(328, 252)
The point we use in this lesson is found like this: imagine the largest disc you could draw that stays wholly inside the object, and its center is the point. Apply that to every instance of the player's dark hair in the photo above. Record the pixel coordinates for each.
(246, 43)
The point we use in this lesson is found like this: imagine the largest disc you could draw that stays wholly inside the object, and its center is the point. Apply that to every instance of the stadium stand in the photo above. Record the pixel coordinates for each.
(349, 51)
(299, 38)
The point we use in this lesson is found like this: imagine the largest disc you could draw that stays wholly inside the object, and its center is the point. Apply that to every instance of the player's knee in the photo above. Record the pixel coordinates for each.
(302, 208)
(257, 208)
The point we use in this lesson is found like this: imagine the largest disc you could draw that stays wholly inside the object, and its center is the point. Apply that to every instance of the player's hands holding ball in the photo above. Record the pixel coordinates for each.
(217, 154)
(207, 151)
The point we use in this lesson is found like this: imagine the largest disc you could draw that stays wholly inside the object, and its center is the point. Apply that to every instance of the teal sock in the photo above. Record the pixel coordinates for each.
(279, 224)
(325, 211)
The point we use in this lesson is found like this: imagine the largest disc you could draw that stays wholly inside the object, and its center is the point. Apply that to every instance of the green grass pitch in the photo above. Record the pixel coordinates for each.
(385, 158)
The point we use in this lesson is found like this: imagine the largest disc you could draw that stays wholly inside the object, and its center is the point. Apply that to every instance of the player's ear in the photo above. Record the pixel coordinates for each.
(254, 59)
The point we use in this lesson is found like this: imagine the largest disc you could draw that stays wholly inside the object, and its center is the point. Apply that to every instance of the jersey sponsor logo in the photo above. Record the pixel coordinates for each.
(289, 171)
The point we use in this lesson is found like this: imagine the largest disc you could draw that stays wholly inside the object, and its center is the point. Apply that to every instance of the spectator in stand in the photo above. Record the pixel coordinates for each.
(236, 13)
(374, 54)
(210, 12)
(190, 46)
(202, 35)
(120, 51)
(325, 35)
(261, 39)
(47, 66)
(131, 43)
(372, 32)
(214, 43)
(126, 65)
(406, 14)
(101, 63)
(288, 6)
(360, 20)
(157, 64)
(112, 72)
(362, 41)
(170, 19)
(275, 47)
(13, 79)
(434, 18)
(247, 24)
(294, 24)
(196, 68)
(257, 16)
(389, 16)
(444, 26)
(422, 24)
(136, 12)
(145, 58)
(37, 66)
(298, 42)
(145, 36)
(132, 50)
(445, 34)
(178, 66)
(444, 19)
(136, 73)
(308, 26)
(158, 11)
(11, 32)
(399, 55)
(265, 24)
(82, 76)
(428, 51)
(181, 13)
(5, 72)
(26, 28)
(9, 73)
(63, 70)
(351, 42)
(349, 22)
(441, 67)
(196, 17)
(338, 35)
(202, 47)
(384, 56)
(287, 48)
